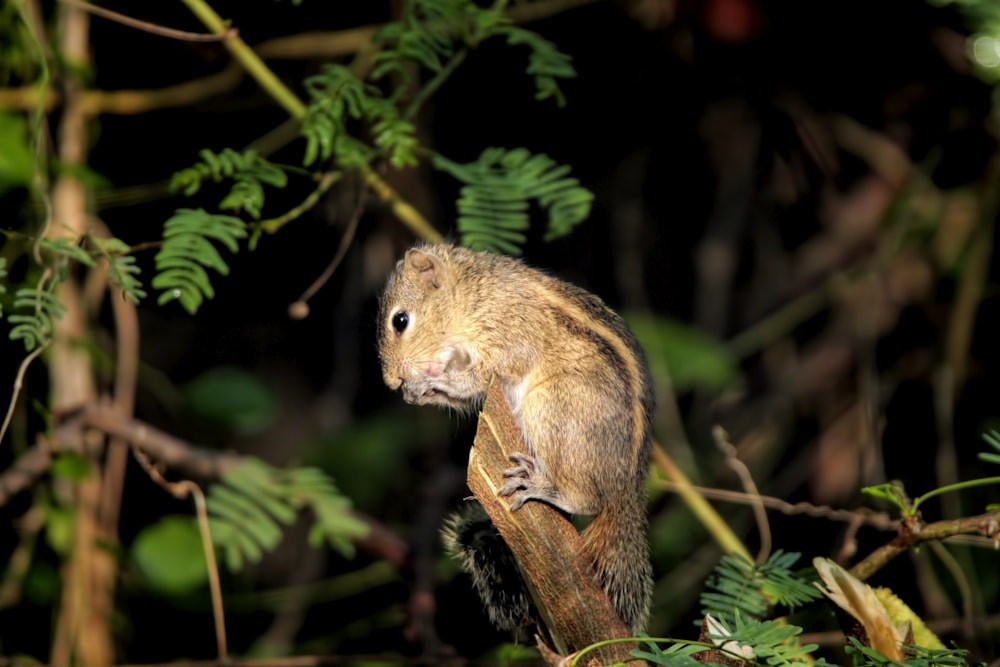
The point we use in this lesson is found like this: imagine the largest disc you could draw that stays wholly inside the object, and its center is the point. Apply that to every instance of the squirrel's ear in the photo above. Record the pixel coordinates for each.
(425, 268)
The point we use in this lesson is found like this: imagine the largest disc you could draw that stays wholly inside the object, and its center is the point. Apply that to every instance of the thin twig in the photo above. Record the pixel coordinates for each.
(879, 520)
(18, 383)
(272, 225)
(431, 87)
(695, 500)
(741, 470)
(181, 490)
(24, 471)
(300, 308)
(282, 94)
(160, 445)
(146, 26)
(958, 576)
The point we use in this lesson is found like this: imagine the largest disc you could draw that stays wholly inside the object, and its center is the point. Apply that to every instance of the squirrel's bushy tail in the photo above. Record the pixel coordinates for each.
(470, 536)
(615, 542)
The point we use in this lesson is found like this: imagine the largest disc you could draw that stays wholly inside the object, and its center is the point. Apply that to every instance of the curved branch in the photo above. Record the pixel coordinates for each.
(987, 525)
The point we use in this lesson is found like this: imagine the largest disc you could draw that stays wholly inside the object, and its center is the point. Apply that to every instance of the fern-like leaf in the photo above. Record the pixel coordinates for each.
(772, 642)
(992, 438)
(338, 99)
(187, 250)
(248, 508)
(675, 655)
(393, 135)
(337, 96)
(424, 36)
(499, 187)
(35, 327)
(250, 171)
(64, 249)
(915, 656)
(122, 270)
(546, 62)
(739, 585)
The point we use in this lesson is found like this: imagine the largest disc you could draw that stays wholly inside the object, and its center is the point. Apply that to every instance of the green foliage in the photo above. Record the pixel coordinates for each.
(187, 250)
(61, 251)
(17, 162)
(689, 357)
(71, 466)
(170, 555)
(739, 586)
(424, 36)
(394, 136)
(339, 97)
(674, 655)
(59, 526)
(499, 186)
(992, 438)
(35, 327)
(916, 656)
(234, 398)
(249, 171)
(122, 270)
(896, 494)
(19, 50)
(247, 507)
(546, 63)
(430, 29)
(772, 642)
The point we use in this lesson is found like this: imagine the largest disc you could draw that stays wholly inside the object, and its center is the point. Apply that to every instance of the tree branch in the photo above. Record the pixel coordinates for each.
(987, 525)
(548, 549)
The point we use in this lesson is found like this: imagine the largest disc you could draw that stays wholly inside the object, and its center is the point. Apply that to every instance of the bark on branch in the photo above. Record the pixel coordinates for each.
(547, 547)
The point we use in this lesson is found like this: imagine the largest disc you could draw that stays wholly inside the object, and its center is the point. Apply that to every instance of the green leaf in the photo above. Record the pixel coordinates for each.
(690, 358)
(59, 525)
(893, 492)
(499, 188)
(186, 249)
(17, 161)
(992, 438)
(232, 397)
(71, 466)
(35, 327)
(245, 505)
(170, 555)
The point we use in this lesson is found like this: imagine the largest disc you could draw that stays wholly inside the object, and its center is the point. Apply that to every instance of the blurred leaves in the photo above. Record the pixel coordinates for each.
(170, 555)
(248, 507)
(690, 358)
(17, 163)
(71, 466)
(231, 397)
(992, 438)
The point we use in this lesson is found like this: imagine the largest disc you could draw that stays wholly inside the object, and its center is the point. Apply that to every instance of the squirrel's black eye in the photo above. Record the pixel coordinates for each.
(400, 320)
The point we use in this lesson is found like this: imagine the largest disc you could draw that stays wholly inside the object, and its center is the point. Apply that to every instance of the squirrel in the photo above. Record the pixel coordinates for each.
(575, 379)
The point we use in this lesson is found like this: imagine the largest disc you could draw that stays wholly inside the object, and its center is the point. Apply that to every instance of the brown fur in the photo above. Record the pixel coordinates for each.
(573, 374)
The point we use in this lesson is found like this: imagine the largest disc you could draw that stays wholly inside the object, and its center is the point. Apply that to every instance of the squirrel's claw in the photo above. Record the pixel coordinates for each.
(525, 482)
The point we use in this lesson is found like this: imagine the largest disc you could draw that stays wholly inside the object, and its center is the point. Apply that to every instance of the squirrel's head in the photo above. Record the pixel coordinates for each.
(421, 342)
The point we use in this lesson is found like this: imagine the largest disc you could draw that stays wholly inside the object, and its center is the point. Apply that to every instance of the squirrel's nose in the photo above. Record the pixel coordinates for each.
(392, 381)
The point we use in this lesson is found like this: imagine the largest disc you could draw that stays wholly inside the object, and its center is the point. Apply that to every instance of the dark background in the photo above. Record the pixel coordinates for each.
(716, 138)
